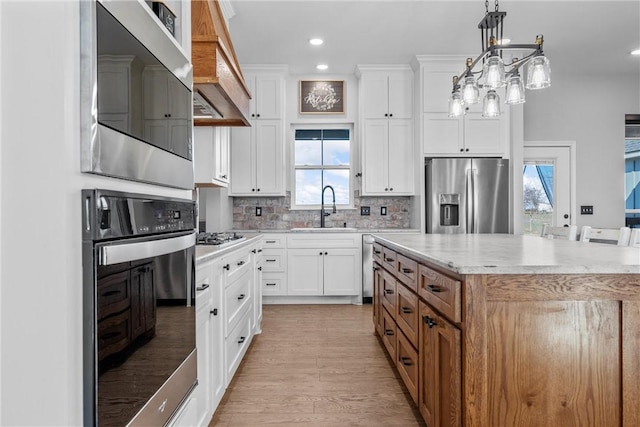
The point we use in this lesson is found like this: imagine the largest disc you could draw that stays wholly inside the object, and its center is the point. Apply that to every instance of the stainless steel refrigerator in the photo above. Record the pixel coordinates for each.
(466, 195)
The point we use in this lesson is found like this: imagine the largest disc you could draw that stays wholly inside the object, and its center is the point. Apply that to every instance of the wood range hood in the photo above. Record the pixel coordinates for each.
(216, 73)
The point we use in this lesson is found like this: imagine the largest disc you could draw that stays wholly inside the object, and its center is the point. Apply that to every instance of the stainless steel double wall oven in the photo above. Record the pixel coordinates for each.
(139, 307)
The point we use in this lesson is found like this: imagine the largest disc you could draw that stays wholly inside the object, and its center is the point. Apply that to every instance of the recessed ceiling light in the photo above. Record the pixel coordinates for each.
(316, 42)
(636, 52)
(322, 66)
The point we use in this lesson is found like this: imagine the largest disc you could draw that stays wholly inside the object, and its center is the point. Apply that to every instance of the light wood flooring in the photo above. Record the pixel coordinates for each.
(316, 365)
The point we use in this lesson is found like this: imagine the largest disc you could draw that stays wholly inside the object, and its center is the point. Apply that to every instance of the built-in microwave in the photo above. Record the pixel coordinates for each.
(137, 112)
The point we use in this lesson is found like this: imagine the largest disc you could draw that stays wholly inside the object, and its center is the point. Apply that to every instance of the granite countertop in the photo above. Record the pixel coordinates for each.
(206, 253)
(514, 254)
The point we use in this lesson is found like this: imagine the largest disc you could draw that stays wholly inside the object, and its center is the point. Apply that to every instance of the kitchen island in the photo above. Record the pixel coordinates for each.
(503, 330)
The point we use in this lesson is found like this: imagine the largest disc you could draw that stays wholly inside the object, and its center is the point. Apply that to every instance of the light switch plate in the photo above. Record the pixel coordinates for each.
(383, 210)
(258, 211)
(586, 210)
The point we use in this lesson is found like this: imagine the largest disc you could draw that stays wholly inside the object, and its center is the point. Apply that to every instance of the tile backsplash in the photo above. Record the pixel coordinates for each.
(276, 214)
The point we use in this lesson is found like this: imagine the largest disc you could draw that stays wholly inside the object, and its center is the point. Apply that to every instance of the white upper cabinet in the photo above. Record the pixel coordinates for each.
(469, 135)
(386, 100)
(211, 155)
(387, 94)
(257, 152)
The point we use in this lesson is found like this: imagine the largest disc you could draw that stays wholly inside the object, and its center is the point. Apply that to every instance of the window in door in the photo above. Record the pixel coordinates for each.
(322, 157)
(632, 170)
(547, 185)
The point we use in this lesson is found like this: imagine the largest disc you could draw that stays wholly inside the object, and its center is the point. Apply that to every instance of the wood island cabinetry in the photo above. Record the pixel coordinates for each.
(512, 343)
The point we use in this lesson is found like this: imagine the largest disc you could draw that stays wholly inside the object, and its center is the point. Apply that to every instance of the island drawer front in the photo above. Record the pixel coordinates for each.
(407, 315)
(407, 272)
(407, 364)
(389, 332)
(273, 284)
(237, 300)
(389, 292)
(377, 253)
(442, 292)
(389, 259)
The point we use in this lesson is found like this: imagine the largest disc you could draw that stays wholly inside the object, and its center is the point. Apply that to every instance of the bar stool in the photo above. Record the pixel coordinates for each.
(564, 233)
(612, 236)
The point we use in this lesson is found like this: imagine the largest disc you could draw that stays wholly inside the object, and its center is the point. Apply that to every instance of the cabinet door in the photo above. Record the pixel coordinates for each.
(221, 154)
(341, 268)
(204, 336)
(217, 335)
(377, 302)
(401, 95)
(268, 97)
(483, 135)
(375, 148)
(401, 157)
(179, 106)
(242, 162)
(269, 158)
(442, 134)
(375, 90)
(440, 394)
(305, 270)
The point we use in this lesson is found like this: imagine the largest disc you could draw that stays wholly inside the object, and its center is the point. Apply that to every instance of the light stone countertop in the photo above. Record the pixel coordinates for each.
(514, 254)
(335, 230)
(206, 253)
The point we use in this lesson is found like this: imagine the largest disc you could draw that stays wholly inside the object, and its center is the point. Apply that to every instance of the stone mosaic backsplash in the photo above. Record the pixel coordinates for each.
(276, 214)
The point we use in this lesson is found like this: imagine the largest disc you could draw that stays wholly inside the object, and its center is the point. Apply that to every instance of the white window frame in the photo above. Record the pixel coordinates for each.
(292, 162)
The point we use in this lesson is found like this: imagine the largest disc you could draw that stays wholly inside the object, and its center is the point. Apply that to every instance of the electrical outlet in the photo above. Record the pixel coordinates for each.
(586, 210)
(383, 210)
(365, 210)
(258, 211)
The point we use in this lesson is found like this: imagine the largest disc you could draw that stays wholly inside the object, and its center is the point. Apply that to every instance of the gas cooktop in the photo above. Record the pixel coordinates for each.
(218, 239)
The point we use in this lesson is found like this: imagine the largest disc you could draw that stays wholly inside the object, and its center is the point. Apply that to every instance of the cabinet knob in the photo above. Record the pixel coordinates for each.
(386, 115)
(386, 189)
(253, 189)
(389, 291)
(326, 253)
(253, 115)
(388, 332)
(257, 115)
(390, 115)
(429, 321)
(407, 270)
(462, 150)
(391, 189)
(226, 267)
(270, 284)
(223, 176)
(320, 253)
(258, 189)
(259, 268)
(214, 312)
(466, 149)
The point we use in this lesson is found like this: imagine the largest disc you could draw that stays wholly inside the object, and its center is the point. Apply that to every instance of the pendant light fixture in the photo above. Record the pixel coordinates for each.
(495, 74)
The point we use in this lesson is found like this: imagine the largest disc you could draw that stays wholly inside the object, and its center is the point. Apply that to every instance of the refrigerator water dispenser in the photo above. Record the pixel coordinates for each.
(449, 209)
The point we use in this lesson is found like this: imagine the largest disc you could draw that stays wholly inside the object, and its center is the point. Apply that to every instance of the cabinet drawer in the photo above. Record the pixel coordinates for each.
(389, 292)
(442, 292)
(407, 364)
(407, 315)
(236, 345)
(377, 253)
(274, 260)
(237, 264)
(237, 300)
(273, 284)
(407, 271)
(389, 260)
(274, 241)
(324, 240)
(389, 331)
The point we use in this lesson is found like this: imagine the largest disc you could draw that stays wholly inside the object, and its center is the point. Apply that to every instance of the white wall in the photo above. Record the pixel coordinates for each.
(40, 216)
(588, 109)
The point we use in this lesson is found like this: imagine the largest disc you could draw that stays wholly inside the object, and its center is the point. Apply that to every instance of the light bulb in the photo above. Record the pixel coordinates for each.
(470, 91)
(456, 105)
(491, 104)
(515, 89)
(493, 72)
(538, 73)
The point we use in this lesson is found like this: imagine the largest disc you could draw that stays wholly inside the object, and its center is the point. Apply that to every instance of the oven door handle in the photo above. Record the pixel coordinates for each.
(124, 252)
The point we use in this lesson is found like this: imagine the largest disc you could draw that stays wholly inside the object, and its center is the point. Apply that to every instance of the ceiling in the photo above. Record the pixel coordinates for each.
(590, 35)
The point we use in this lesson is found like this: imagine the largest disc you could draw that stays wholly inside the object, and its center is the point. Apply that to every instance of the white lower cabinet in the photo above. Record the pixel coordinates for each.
(226, 319)
(324, 264)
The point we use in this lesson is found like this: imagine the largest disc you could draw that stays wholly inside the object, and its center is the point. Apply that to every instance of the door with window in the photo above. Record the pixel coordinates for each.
(548, 178)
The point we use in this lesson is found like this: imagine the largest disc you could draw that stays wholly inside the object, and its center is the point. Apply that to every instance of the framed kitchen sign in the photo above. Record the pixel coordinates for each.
(322, 96)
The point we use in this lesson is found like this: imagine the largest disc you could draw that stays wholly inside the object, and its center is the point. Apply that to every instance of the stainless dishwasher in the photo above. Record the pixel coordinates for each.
(367, 269)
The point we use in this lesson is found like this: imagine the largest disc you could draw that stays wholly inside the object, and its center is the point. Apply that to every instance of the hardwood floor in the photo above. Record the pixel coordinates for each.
(316, 365)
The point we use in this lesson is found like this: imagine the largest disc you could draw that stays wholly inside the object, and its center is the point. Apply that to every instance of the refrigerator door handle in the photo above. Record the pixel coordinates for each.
(469, 211)
(472, 201)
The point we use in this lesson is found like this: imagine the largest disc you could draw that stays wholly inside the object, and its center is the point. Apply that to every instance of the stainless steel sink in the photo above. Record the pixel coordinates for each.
(324, 230)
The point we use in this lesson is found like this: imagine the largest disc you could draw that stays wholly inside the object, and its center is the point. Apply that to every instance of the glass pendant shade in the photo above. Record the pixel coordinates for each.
(456, 105)
(515, 89)
(538, 73)
(491, 105)
(470, 91)
(493, 72)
